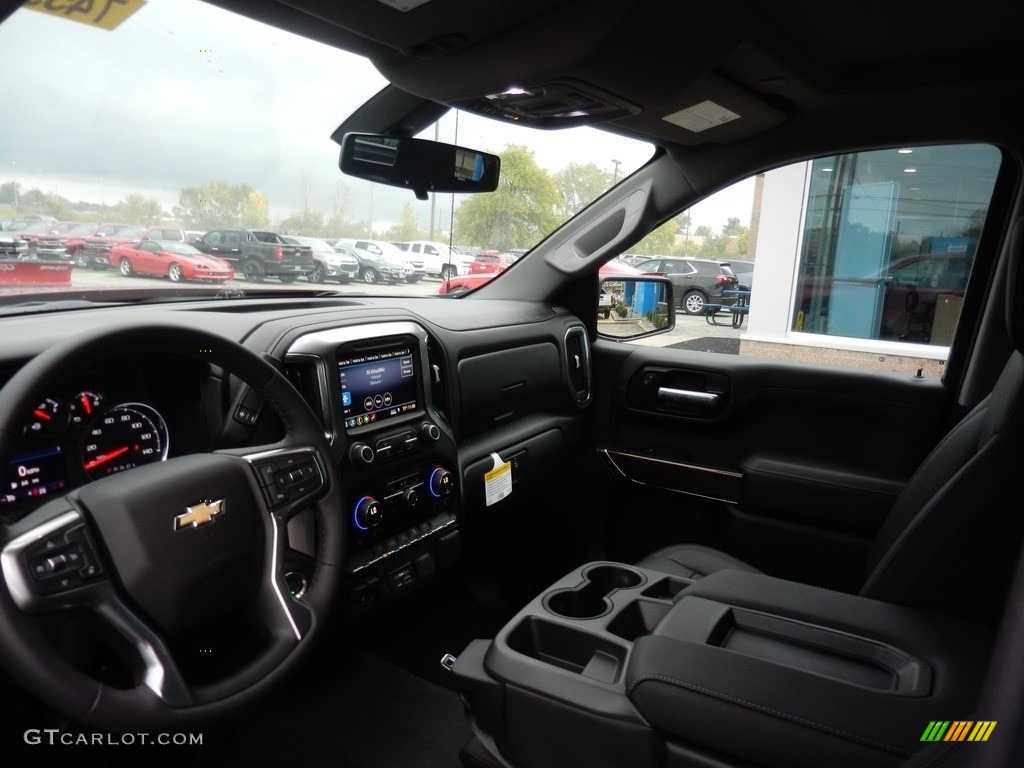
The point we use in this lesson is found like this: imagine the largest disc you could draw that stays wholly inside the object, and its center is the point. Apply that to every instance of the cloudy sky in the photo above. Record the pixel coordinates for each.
(193, 94)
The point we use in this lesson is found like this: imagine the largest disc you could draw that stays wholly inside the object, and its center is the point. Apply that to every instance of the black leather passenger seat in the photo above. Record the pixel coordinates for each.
(951, 540)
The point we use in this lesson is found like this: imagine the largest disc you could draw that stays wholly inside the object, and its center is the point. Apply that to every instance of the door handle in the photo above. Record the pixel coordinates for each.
(674, 396)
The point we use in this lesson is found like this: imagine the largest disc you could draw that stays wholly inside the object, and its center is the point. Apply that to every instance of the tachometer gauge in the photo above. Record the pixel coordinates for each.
(123, 437)
(84, 406)
(49, 418)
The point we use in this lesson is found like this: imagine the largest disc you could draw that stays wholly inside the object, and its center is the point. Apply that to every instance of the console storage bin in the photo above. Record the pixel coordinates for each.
(618, 665)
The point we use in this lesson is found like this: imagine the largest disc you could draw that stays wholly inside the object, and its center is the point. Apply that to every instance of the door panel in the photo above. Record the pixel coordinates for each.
(791, 467)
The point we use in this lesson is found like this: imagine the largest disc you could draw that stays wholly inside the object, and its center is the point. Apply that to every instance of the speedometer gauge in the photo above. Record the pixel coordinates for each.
(123, 437)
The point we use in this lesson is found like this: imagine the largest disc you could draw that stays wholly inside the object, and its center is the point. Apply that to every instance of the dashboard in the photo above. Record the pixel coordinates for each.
(419, 401)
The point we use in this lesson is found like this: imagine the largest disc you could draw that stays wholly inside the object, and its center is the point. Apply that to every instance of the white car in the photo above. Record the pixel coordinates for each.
(439, 259)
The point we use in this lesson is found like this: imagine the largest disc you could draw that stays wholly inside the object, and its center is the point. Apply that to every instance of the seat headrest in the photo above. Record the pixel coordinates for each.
(1015, 286)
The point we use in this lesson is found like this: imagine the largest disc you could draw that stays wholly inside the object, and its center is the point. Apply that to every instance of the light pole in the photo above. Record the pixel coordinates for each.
(615, 173)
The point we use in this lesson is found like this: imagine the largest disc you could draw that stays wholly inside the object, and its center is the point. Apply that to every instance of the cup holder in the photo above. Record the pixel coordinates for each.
(591, 599)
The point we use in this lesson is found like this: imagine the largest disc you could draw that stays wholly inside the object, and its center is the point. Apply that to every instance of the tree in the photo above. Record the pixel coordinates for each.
(520, 212)
(660, 242)
(136, 209)
(219, 204)
(255, 210)
(337, 217)
(58, 207)
(9, 192)
(579, 185)
(732, 241)
(310, 223)
(408, 227)
(306, 220)
(733, 227)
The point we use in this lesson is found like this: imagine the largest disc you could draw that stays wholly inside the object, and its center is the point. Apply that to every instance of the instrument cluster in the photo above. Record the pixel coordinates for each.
(73, 440)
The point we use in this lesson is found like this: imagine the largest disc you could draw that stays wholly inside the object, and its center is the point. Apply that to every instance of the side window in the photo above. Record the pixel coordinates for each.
(867, 255)
(212, 238)
(230, 238)
(431, 250)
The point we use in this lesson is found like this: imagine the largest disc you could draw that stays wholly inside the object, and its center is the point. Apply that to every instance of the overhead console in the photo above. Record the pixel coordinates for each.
(395, 452)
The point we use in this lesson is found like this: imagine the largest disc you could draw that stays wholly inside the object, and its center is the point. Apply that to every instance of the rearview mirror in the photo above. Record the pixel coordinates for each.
(635, 307)
(417, 164)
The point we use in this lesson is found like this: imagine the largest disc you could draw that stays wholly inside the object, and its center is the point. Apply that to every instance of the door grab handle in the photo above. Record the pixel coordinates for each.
(687, 396)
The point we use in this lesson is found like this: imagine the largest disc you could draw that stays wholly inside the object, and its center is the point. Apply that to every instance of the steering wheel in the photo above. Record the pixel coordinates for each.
(146, 555)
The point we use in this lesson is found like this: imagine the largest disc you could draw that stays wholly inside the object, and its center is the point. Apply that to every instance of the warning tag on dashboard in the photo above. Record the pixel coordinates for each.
(498, 482)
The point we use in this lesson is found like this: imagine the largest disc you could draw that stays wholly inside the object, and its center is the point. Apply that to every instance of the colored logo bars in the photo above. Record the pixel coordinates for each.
(958, 730)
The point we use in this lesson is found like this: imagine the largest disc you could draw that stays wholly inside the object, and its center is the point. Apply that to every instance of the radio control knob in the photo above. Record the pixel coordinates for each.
(361, 454)
(441, 483)
(429, 433)
(368, 513)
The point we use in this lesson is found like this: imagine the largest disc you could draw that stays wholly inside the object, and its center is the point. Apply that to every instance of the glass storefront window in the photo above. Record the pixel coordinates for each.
(888, 241)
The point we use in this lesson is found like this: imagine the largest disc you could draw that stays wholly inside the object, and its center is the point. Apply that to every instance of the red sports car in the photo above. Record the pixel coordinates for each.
(178, 261)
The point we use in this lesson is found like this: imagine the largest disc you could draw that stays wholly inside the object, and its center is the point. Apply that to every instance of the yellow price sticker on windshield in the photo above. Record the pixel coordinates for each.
(105, 14)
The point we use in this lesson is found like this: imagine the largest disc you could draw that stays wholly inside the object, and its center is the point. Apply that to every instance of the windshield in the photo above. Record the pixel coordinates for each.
(186, 117)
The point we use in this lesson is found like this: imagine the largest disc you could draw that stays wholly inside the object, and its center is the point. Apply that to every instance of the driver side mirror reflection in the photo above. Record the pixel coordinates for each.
(631, 308)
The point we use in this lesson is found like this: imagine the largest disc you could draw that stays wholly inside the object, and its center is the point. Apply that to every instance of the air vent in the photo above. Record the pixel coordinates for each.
(577, 364)
(307, 375)
(438, 379)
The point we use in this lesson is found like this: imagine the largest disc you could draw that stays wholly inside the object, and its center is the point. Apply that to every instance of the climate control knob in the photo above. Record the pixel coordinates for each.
(441, 483)
(367, 513)
(361, 454)
(412, 496)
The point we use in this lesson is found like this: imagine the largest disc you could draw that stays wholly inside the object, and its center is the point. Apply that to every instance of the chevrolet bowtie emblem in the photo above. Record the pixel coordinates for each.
(202, 513)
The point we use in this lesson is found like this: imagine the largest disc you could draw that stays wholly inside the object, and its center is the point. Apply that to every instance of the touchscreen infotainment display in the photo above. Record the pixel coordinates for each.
(377, 386)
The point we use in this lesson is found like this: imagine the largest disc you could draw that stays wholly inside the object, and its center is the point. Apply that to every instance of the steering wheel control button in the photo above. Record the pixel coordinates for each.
(266, 471)
(247, 416)
(63, 560)
(289, 478)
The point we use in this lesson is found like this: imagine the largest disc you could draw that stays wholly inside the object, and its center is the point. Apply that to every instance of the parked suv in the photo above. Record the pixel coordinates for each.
(374, 266)
(697, 281)
(328, 262)
(383, 253)
(492, 262)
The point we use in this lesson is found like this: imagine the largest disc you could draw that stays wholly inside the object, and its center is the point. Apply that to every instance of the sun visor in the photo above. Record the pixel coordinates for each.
(391, 112)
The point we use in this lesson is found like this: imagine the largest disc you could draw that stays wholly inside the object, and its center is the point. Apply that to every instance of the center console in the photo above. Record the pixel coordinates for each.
(395, 454)
(618, 665)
